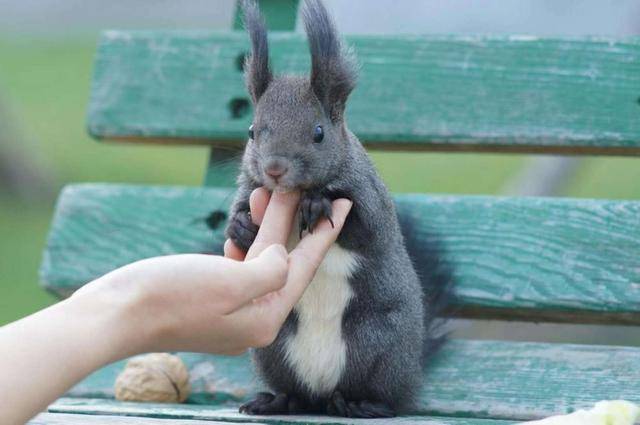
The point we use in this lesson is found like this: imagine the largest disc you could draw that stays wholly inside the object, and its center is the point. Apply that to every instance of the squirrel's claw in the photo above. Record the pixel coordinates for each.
(303, 226)
(314, 206)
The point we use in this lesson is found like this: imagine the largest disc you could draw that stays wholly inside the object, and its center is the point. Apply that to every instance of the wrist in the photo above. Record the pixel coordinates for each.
(110, 311)
(140, 316)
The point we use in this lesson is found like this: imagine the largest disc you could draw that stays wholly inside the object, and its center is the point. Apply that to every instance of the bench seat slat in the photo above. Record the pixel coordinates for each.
(483, 379)
(572, 260)
(112, 419)
(141, 413)
(488, 93)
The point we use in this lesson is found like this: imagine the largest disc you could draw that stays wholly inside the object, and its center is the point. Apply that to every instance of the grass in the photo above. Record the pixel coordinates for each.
(23, 231)
(47, 85)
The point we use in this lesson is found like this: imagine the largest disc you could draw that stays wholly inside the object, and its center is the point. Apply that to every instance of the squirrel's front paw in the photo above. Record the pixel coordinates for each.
(313, 207)
(241, 230)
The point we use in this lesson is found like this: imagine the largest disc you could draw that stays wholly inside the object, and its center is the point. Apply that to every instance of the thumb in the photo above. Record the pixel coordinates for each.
(273, 252)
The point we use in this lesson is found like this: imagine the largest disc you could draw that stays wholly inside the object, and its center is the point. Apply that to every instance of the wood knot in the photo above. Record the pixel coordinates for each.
(214, 219)
(238, 107)
(240, 60)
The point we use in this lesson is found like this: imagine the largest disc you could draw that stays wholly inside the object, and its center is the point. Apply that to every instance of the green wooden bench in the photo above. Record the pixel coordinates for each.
(529, 259)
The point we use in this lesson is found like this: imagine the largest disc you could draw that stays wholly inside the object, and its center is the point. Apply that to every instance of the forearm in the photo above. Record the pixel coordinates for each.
(45, 354)
(172, 303)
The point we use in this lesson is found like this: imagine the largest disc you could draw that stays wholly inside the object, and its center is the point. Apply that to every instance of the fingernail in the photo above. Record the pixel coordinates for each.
(344, 203)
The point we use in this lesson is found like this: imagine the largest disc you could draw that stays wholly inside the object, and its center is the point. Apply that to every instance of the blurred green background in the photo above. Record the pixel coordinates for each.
(44, 87)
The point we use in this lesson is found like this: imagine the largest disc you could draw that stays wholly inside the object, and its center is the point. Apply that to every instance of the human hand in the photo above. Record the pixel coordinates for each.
(189, 302)
(274, 213)
(205, 303)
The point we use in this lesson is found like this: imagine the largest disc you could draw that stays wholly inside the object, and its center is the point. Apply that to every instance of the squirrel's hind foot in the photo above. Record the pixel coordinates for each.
(338, 406)
(269, 404)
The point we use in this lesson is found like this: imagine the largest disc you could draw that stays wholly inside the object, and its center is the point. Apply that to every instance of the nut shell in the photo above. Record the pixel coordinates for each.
(156, 377)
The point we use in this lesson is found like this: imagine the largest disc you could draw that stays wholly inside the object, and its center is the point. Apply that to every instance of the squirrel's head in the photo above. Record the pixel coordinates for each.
(298, 136)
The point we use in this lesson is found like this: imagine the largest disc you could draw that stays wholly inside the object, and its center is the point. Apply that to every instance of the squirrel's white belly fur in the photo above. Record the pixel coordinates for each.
(317, 352)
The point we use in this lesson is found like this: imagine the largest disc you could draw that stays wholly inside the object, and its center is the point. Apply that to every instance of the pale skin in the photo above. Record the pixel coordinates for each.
(188, 302)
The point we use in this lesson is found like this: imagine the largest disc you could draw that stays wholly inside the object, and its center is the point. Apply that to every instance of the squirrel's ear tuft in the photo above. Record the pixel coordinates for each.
(333, 69)
(257, 73)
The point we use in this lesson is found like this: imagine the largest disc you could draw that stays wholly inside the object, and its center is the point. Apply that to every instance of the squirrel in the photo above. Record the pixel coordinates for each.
(355, 343)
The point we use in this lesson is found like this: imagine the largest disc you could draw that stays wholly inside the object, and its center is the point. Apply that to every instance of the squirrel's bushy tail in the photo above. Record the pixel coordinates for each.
(438, 298)
(427, 255)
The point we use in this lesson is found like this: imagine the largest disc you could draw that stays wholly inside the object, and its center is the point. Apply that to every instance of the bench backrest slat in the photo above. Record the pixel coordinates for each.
(521, 258)
(416, 92)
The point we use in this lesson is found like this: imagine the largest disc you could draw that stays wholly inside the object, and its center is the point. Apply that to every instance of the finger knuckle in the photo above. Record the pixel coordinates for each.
(230, 297)
(306, 258)
(280, 271)
(265, 336)
(272, 278)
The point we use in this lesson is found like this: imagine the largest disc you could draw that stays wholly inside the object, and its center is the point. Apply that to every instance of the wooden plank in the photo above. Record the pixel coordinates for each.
(572, 260)
(456, 93)
(480, 379)
(223, 167)
(89, 419)
(280, 15)
(215, 380)
(179, 411)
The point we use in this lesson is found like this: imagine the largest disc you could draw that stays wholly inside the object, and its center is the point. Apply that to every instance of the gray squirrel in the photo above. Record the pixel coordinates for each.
(355, 343)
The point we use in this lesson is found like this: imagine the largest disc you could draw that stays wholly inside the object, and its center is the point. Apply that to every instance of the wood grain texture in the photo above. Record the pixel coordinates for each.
(573, 260)
(479, 379)
(215, 380)
(524, 254)
(84, 419)
(416, 92)
(178, 411)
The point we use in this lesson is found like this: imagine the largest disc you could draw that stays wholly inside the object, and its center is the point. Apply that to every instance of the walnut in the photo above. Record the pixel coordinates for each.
(157, 377)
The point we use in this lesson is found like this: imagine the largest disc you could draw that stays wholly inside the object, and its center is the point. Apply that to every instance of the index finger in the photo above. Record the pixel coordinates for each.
(276, 223)
(258, 201)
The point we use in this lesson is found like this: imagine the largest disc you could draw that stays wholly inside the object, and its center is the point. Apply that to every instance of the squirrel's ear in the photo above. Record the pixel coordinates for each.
(333, 69)
(257, 73)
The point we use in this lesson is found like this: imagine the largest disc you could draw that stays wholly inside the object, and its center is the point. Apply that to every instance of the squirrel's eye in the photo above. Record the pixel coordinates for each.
(318, 134)
(251, 132)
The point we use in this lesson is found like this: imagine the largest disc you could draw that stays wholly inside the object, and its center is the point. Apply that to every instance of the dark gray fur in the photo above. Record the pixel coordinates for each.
(333, 70)
(385, 324)
(257, 71)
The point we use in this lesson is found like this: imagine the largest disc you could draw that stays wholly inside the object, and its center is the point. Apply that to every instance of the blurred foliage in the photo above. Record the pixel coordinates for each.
(23, 228)
(47, 84)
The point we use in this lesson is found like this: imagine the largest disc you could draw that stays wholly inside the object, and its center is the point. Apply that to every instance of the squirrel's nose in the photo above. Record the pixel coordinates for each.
(275, 169)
